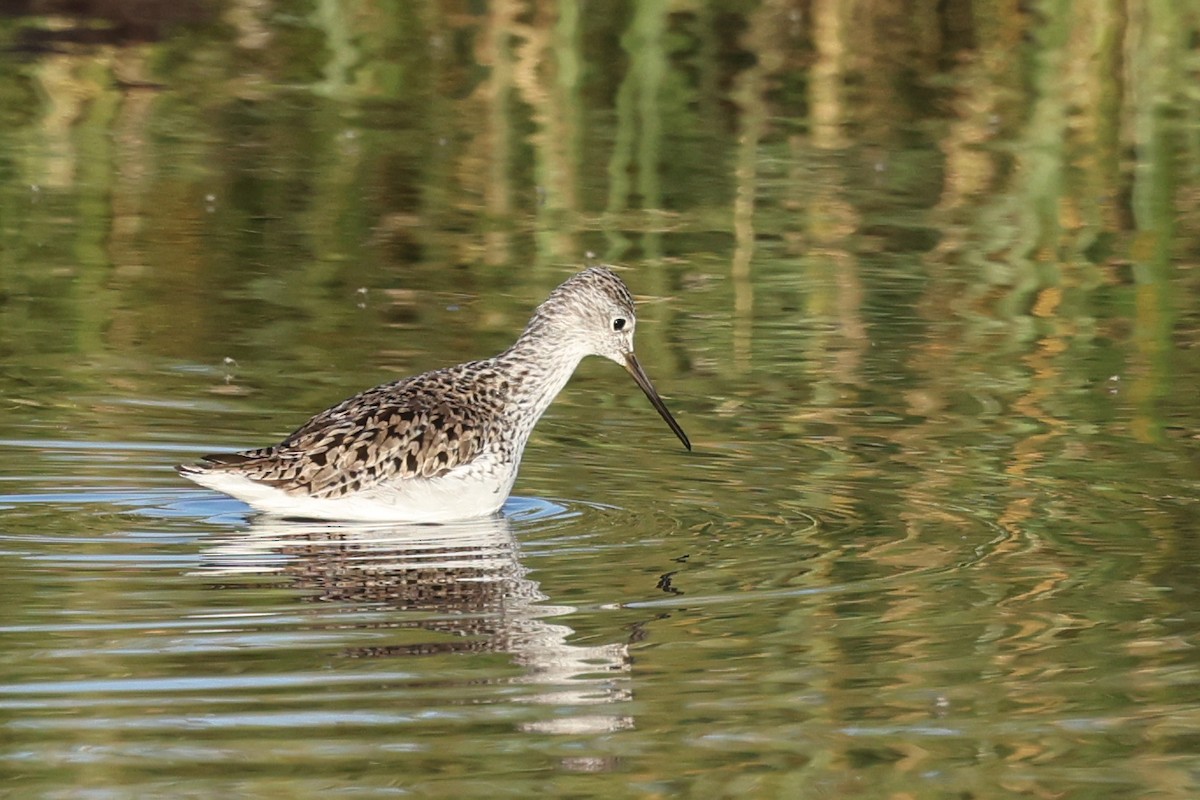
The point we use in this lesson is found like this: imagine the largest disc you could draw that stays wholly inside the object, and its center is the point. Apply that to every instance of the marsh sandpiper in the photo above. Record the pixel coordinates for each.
(444, 445)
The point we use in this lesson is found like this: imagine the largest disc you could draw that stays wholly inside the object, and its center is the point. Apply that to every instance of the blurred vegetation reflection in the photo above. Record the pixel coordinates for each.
(928, 266)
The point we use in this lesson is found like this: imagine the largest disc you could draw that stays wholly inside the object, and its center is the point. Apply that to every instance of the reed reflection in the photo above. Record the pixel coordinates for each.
(461, 583)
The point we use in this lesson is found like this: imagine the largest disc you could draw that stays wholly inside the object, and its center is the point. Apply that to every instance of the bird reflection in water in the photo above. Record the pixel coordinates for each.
(462, 582)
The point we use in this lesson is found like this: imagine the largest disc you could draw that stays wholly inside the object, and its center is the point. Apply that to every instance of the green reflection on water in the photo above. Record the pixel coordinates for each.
(918, 281)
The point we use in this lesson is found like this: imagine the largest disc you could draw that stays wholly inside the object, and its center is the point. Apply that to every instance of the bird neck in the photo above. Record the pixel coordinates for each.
(539, 364)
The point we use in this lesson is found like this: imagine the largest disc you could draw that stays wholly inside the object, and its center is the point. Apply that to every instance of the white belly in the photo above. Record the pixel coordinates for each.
(473, 490)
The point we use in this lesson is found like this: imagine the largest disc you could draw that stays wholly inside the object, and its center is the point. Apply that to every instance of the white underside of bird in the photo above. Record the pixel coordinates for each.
(473, 490)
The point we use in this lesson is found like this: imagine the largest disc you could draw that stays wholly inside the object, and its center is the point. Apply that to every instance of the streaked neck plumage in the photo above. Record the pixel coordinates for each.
(539, 364)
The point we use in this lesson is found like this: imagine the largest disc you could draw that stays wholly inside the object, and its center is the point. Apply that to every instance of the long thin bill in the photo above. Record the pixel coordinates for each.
(639, 376)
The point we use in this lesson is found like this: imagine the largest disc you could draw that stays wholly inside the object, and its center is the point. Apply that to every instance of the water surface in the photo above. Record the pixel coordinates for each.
(920, 287)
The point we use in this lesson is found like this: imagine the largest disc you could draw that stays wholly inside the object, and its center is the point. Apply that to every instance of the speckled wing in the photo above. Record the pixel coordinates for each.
(405, 430)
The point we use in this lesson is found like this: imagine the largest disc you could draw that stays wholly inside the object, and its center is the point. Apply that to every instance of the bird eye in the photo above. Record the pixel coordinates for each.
(619, 324)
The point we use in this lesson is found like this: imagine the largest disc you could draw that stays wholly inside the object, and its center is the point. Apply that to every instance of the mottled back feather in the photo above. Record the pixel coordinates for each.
(411, 428)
